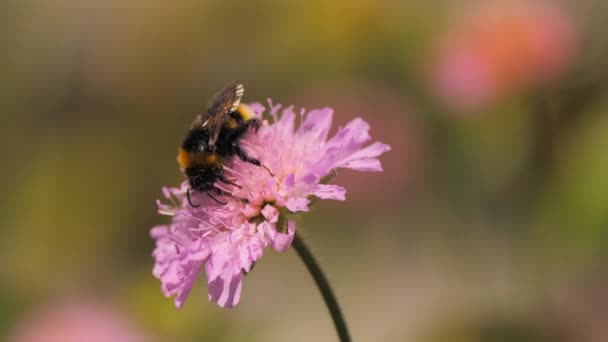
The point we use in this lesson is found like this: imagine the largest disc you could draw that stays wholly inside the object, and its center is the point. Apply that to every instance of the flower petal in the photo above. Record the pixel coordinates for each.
(251, 210)
(281, 241)
(296, 204)
(284, 126)
(177, 264)
(270, 213)
(330, 191)
(342, 146)
(225, 290)
(234, 252)
(368, 165)
(317, 124)
(257, 108)
(193, 272)
(352, 136)
(362, 160)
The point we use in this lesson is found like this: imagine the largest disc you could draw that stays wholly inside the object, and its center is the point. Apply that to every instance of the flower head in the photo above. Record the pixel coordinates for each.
(226, 240)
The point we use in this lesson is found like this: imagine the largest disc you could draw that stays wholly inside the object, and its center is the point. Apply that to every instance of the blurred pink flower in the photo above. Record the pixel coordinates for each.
(77, 321)
(499, 48)
(227, 239)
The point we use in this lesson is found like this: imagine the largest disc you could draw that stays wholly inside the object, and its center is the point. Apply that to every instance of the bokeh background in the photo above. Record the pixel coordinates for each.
(489, 223)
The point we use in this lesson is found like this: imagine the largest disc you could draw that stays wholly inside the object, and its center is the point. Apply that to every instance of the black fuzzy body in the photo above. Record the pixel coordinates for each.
(204, 164)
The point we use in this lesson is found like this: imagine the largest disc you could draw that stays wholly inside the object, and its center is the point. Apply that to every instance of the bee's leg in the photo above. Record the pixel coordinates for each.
(227, 181)
(190, 201)
(267, 169)
(243, 156)
(213, 198)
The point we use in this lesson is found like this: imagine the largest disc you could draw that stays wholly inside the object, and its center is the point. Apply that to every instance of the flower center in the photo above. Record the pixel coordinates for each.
(267, 212)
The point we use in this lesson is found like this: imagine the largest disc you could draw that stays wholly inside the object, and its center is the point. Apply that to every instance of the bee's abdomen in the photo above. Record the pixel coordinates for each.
(189, 159)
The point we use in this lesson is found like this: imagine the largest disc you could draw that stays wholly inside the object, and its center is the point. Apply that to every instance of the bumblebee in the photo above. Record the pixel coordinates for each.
(213, 139)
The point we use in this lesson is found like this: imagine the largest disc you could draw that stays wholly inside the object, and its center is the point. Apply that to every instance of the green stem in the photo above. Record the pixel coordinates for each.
(323, 285)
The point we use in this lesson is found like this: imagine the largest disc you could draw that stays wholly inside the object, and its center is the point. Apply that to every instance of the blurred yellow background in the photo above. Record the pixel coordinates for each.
(489, 223)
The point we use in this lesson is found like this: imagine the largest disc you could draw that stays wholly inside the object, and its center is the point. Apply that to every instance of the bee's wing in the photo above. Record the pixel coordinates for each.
(218, 109)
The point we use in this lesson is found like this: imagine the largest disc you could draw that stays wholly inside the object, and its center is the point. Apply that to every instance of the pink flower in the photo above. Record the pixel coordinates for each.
(226, 240)
(77, 320)
(500, 48)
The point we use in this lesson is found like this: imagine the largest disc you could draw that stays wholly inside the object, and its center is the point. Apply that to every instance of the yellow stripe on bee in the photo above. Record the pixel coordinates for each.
(245, 112)
(212, 158)
(183, 158)
(197, 159)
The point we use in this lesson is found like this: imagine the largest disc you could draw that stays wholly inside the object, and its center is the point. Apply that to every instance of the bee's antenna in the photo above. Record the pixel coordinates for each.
(190, 201)
(215, 199)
